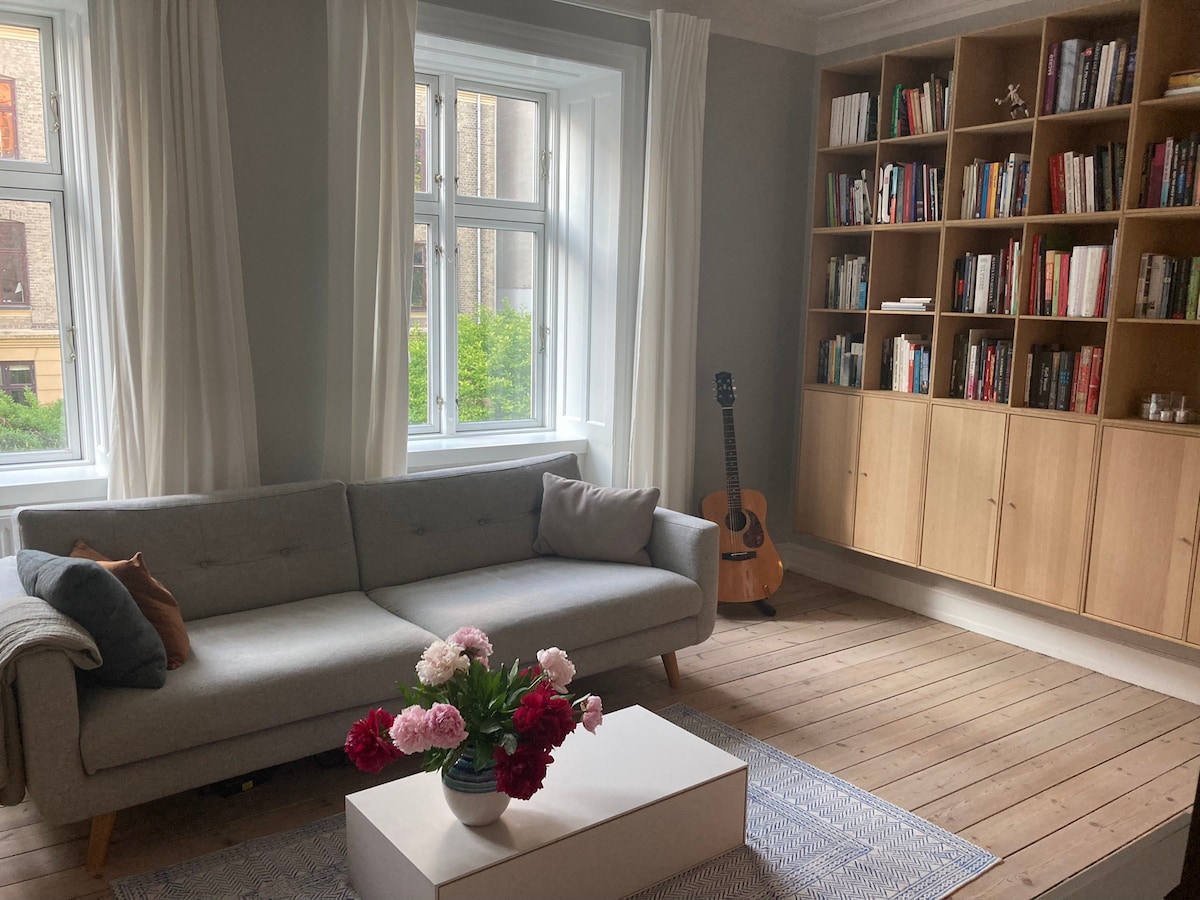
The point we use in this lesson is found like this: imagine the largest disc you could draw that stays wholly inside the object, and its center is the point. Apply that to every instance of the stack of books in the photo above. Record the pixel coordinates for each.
(994, 190)
(1169, 173)
(1168, 287)
(987, 282)
(905, 363)
(846, 282)
(853, 119)
(840, 360)
(847, 199)
(1185, 82)
(910, 192)
(981, 366)
(1076, 281)
(908, 304)
(1066, 380)
(1082, 74)
(921, 110)
(1083, 183)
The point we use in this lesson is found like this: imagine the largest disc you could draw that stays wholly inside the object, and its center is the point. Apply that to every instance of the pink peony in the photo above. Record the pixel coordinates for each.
(409, 732)
(475, 642)
(368, 745)
(440, 661)
(444, 726)
(592, 714)
(557, 667)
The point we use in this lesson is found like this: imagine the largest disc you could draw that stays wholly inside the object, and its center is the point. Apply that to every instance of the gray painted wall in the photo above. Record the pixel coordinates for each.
(273, 53)
(755, 196)
(752, 262)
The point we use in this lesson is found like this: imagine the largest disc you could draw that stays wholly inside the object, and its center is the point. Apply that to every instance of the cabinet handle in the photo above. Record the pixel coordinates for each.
(863, 474)
(1011, 505)
(1187, 541)
(992, 500)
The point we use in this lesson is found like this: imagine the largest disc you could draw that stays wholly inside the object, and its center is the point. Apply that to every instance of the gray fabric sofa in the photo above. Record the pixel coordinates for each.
(306, 603)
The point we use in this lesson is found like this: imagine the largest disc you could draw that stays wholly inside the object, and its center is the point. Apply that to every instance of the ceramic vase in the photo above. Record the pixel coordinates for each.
(471, 795)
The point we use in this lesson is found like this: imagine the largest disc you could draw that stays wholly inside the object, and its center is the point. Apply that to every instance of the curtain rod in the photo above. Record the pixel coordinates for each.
(600, 7)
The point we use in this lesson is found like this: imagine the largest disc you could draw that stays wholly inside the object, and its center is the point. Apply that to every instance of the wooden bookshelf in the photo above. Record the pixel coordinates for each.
(1097, 513)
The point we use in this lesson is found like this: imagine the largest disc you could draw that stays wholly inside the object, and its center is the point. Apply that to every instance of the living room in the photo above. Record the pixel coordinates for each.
(756, 247)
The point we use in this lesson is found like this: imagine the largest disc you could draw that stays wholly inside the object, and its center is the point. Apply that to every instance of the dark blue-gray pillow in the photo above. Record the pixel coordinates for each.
(132, 651)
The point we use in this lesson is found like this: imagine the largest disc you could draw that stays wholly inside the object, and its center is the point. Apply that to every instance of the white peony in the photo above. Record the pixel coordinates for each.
(557, 667)
(440, 661)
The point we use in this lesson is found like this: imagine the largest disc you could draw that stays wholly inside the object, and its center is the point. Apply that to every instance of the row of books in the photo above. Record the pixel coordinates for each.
(1169, 173)
(993, 190)
(923, 109)
(910, 192)
(846, 282)
(840, 360)
(1087, 182)
(987, 282)
(853, 119)
(1186, 81)
(1076, 281)
(1082, 74)
(1168, 287)
(981, 366)
(905, 363)
(847, 199)
(1066, 380)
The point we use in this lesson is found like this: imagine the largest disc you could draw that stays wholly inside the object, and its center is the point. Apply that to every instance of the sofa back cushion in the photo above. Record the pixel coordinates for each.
(420, 526)
(217, 553)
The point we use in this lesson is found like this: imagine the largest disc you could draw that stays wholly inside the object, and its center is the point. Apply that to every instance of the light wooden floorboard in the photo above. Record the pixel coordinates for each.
(1042, 762)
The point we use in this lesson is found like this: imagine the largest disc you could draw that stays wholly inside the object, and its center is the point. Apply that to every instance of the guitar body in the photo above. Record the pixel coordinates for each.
(750, 568)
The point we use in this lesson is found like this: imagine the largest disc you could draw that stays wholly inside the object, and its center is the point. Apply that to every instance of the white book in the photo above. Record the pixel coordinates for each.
(885, 175)
(1089, 183)
(1101, 97)
(834, 111)
(927, 107)
(1069, 172)
(852, 119)
(1155, 286)
(864, 107)
(983, 278)
(1091, 281)
(1139, 299)
(1075, 281)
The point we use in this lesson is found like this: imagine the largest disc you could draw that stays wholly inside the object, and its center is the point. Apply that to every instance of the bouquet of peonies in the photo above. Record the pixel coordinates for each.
(511, 717)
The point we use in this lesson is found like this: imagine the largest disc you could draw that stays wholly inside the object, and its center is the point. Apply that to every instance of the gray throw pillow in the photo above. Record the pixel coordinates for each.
(131, 650)
(583, 521)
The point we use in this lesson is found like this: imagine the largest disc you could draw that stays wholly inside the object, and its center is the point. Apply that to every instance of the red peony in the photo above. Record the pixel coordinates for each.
(520, 775)
(543, 719)
(368, 744)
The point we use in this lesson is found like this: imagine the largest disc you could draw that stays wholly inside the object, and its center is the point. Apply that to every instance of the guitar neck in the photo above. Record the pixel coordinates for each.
(733, 486)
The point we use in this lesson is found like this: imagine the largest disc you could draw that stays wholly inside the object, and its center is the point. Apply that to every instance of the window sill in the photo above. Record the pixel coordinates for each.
(469, 450)
(52, 484)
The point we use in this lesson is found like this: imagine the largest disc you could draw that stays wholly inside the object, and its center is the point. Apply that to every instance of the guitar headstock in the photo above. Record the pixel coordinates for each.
(725, 390)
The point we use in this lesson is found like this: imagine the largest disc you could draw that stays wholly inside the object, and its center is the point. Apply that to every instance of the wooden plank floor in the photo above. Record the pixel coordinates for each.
(1046, 764)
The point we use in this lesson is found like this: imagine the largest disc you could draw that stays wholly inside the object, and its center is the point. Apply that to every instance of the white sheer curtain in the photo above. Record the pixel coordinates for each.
(183, 395)
(371, 134)
(663, 428)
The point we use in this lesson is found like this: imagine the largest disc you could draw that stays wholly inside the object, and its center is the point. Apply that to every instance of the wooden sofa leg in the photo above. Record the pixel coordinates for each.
(102, 829)
(671, 664)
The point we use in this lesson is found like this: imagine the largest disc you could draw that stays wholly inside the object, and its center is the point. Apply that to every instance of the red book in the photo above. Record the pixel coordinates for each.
(1154, 195)
(1051, 90)
(989, 374)
(1093, 394)
(1058, 203)
(1102, 291)
(1064, 281)
(1037, 277)
(1082, 380)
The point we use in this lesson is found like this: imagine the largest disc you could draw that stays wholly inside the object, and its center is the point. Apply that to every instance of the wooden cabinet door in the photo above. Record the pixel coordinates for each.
(962, 492)
(1043, 512)
(891, 477)
(828, 460)
(1144, 530)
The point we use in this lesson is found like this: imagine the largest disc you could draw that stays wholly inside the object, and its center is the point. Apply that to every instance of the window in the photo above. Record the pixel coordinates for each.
(38, 359)
(16, 378)
(489, 369)
(14, 264)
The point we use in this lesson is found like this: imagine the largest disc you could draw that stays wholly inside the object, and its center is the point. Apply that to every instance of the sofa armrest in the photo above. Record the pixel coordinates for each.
(690, 547)
(49, 708)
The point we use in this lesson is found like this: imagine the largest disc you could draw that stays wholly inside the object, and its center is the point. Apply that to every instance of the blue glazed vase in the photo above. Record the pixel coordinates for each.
(471, 795)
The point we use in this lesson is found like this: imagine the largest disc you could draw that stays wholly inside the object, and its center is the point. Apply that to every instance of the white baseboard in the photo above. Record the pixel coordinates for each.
(1164, 667)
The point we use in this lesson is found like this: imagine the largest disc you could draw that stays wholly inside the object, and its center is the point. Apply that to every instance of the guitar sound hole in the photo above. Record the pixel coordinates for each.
(735, 520)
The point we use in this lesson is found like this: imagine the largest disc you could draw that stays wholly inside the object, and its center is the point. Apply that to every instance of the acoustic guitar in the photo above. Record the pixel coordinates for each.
(750, 570)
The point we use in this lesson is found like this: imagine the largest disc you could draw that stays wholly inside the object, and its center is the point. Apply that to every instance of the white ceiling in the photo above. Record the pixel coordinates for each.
(810, 26)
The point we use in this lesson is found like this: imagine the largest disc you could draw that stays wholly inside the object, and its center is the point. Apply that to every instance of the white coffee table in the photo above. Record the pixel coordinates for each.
(639, 801)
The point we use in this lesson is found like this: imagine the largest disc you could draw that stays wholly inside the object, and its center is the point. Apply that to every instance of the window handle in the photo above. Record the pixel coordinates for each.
(545, 164)
(71, 342)
(56, 125)
(545, 334)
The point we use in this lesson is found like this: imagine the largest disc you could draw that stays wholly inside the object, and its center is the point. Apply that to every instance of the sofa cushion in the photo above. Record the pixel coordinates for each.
(529, 605)
(253, 670)
(131, 651)
(585, 521)
(219, 552)
(420, 526)
(151, 597)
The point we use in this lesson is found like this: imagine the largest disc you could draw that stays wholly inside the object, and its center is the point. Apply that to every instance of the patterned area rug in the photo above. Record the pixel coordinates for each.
(809, 835)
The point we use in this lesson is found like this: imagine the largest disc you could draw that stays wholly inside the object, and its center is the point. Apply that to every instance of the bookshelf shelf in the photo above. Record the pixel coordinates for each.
(1110, 111)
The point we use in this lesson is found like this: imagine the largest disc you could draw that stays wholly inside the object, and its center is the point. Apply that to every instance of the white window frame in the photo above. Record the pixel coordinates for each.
(433, 324)
(79, 267)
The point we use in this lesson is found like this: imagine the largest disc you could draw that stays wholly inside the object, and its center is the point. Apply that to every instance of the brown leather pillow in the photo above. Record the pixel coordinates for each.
(154, 600)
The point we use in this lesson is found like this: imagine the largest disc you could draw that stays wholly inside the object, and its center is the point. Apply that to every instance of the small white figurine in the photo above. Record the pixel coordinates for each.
(1015, 103)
